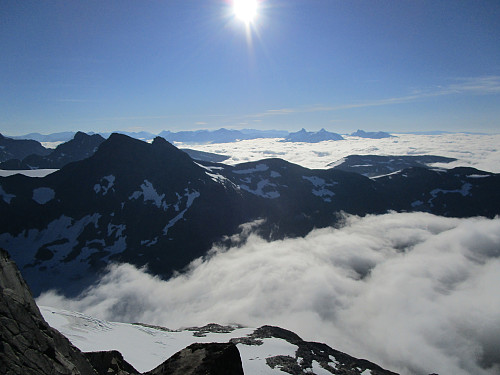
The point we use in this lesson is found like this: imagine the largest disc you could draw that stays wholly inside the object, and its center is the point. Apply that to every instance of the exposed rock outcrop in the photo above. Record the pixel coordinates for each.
(110, 363)
(27, 344)
(202, 359)
(330, 360)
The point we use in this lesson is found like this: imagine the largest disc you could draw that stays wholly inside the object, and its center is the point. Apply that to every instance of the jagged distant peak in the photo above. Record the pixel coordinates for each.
(313, 137)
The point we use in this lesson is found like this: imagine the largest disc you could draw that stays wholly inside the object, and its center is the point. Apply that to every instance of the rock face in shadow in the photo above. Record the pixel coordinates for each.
(110, 363)
(80, 147)
(19, 148)
(202, 359)
(27, 344)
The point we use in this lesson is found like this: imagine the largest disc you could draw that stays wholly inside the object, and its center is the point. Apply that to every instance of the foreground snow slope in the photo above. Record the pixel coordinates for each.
(145, 347)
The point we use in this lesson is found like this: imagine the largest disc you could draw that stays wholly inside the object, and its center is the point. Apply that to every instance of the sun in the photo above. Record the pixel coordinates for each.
(245, 10)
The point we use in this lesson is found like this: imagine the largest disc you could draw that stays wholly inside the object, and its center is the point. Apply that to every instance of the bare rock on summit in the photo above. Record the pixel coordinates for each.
(28, 345)
(203, 359)
(110, 363)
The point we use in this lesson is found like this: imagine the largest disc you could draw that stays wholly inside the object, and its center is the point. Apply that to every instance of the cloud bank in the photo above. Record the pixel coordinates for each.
(472, 150)
(414, 292)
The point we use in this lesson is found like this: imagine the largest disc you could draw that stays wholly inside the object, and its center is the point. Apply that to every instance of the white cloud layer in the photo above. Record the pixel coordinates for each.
(414, 292)
(472, 150)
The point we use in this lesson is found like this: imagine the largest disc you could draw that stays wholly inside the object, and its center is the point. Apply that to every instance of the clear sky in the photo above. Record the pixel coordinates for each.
(103, 65)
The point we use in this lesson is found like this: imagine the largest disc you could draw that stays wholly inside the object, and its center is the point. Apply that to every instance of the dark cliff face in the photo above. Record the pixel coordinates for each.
(28, 345)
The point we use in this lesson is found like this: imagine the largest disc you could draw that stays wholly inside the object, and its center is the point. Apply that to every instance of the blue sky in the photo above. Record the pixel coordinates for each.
(189, 64)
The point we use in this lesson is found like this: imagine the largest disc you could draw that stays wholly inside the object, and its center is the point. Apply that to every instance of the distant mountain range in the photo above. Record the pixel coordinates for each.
(373, 135)
(151, 203)
(312, 137)
(212, 136)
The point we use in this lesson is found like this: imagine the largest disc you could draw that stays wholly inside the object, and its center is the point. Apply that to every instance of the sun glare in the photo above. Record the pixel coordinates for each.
(245, 10)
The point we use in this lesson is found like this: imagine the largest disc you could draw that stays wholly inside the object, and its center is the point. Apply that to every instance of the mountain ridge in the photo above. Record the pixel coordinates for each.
(151, 204)
(80, 147)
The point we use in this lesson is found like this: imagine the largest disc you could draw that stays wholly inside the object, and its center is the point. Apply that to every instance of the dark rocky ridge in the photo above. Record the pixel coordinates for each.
(308, 352)
(19, 148)
(379, 165)
(80, 147)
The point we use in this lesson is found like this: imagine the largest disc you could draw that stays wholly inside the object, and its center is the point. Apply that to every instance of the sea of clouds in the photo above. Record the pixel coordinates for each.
(480, 151)
(413, 292)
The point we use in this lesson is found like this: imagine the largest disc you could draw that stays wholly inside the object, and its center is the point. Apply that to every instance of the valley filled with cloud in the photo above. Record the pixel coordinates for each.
(414, 292)
(472, 150)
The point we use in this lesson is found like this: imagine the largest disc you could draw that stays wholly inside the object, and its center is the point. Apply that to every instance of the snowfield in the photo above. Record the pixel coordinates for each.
(146, 347)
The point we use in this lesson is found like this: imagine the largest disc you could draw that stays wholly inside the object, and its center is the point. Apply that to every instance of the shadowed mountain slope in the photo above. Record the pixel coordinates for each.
(152, 204)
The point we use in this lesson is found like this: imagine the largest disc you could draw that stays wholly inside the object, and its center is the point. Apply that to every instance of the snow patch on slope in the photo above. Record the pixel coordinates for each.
(464, 191)
(190, 197)
(106, 183)
(320, 187)
(28, 172)
(149, 193)
(216, 177)
(27, 243)
(271, 192)
(5, 196)
(43, 195)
